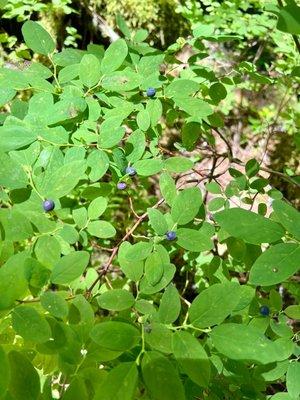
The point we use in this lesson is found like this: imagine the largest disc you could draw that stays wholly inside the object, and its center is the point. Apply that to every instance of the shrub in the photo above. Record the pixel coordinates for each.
(156, 291)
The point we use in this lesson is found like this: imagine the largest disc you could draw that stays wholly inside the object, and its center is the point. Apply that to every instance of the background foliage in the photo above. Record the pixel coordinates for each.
(149, 191)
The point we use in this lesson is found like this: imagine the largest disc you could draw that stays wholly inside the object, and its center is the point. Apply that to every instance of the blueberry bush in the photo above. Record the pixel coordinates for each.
(126, 271)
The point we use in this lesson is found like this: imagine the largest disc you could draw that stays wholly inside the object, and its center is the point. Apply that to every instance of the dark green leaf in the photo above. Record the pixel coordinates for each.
(70, 267)
(192, 357)
(170, 305)
(247, 225)
(115, 335)
(116, 300)
(161, 378)
(37, 38)
(186, 205)
(275, 265)
(214, 304)
(24, 380)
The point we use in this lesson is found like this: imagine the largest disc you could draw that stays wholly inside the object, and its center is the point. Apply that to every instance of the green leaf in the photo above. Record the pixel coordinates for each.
(101, 229)
(89, 70)
(132, 269)
(70, 267)
(293, 380)
(120, 384)
(193, 240)
(157, 221)
(185, 87)
(139, 251)
(53, 186)
(154, 108)
(55, 304)
(135, 146)
(13, 284)
(14, 137)
(194, 106)
(98, 161)
(214, 304)
(116, 300)
(275, 265)
(192, 358)
(122, 25)
(293, 311)
(288, 216)
(168, 274)
(250, 227)
(186, 205)
(97, 207)
(159, 337)
(114, 56)
(252, 168)
(161, 378)
(76, 390)
(111, 133)
(47, 250)
(148, 167)
(24, 380)
(178, 164)
(213, 187)
(115, 335)
(154, 268)
(12, 175)
(217, 92)
(6, 94)
(37, 38)
(167, 187)
(143, 120)
(29, 324)
(288, 19)
(170, 305)
(80, 217)
(121, 81)
(216, 203)
(4, 371)
(236, 341)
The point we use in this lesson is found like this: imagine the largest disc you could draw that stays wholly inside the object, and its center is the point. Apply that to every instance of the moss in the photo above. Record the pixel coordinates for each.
(159, 17)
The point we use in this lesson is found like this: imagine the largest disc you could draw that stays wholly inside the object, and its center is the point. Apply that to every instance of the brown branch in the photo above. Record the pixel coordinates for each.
(105, 269)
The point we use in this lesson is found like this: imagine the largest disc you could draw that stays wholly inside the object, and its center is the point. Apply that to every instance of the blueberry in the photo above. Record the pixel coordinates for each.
(171, 235)
(264, 310)
(130, 171)
(151, 92)
(48, 205)
(121, 185)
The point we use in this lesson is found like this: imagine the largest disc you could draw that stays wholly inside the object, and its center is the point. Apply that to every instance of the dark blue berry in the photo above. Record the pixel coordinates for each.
(121, 185)
(130, 171)
(151, 92)
(264, 310)
(48, 205)
(171, 235)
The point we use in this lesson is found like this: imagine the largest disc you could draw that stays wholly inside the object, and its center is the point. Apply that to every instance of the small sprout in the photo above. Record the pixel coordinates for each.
(264, 310)
(171, 235)
(151, 92)
(48, 205)
(121, 185)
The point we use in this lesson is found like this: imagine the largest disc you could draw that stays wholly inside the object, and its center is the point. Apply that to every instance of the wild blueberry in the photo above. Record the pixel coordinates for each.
(151, 92)
(171, 235)
(121, 185)
(48, 205)
(130, 171)
(264, 310)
